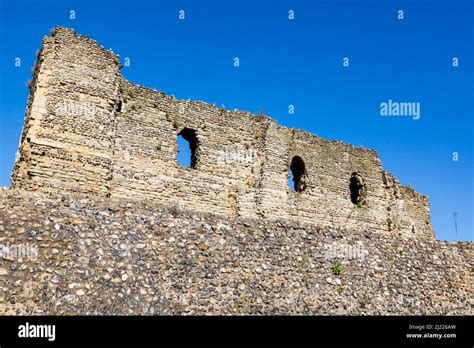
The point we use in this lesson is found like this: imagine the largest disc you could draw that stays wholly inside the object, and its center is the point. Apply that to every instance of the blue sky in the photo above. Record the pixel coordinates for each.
(288, 62)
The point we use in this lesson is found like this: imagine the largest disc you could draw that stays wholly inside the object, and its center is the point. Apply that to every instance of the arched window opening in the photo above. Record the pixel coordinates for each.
(187, 148)
(357, 189)
(297, 178)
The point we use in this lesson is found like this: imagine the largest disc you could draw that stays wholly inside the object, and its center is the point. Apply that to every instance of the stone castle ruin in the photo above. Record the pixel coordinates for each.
(101, 218)
(88, 130)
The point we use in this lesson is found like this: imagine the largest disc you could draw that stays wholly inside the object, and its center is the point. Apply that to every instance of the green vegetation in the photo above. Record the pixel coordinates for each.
(336, 269)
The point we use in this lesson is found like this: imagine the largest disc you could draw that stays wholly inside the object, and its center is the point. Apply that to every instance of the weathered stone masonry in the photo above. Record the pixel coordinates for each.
(118, 227)
(106, 256)
(88, 130)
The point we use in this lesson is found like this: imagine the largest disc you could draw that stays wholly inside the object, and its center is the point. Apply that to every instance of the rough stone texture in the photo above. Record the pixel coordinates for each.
(87, 130)
(110, 256)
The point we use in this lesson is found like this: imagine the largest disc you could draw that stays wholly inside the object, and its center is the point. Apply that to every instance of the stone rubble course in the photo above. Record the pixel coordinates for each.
(88, 130)
(109, 256)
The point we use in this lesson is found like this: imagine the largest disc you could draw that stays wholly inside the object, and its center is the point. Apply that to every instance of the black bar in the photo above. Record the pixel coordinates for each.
(291, 331)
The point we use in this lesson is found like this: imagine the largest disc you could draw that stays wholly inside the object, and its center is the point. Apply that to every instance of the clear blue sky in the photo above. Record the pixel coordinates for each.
(283, 62)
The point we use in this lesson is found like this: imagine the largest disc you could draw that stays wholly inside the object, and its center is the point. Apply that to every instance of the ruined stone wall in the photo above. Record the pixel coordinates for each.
(67, 136)
(88, 130)
(70, 255)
